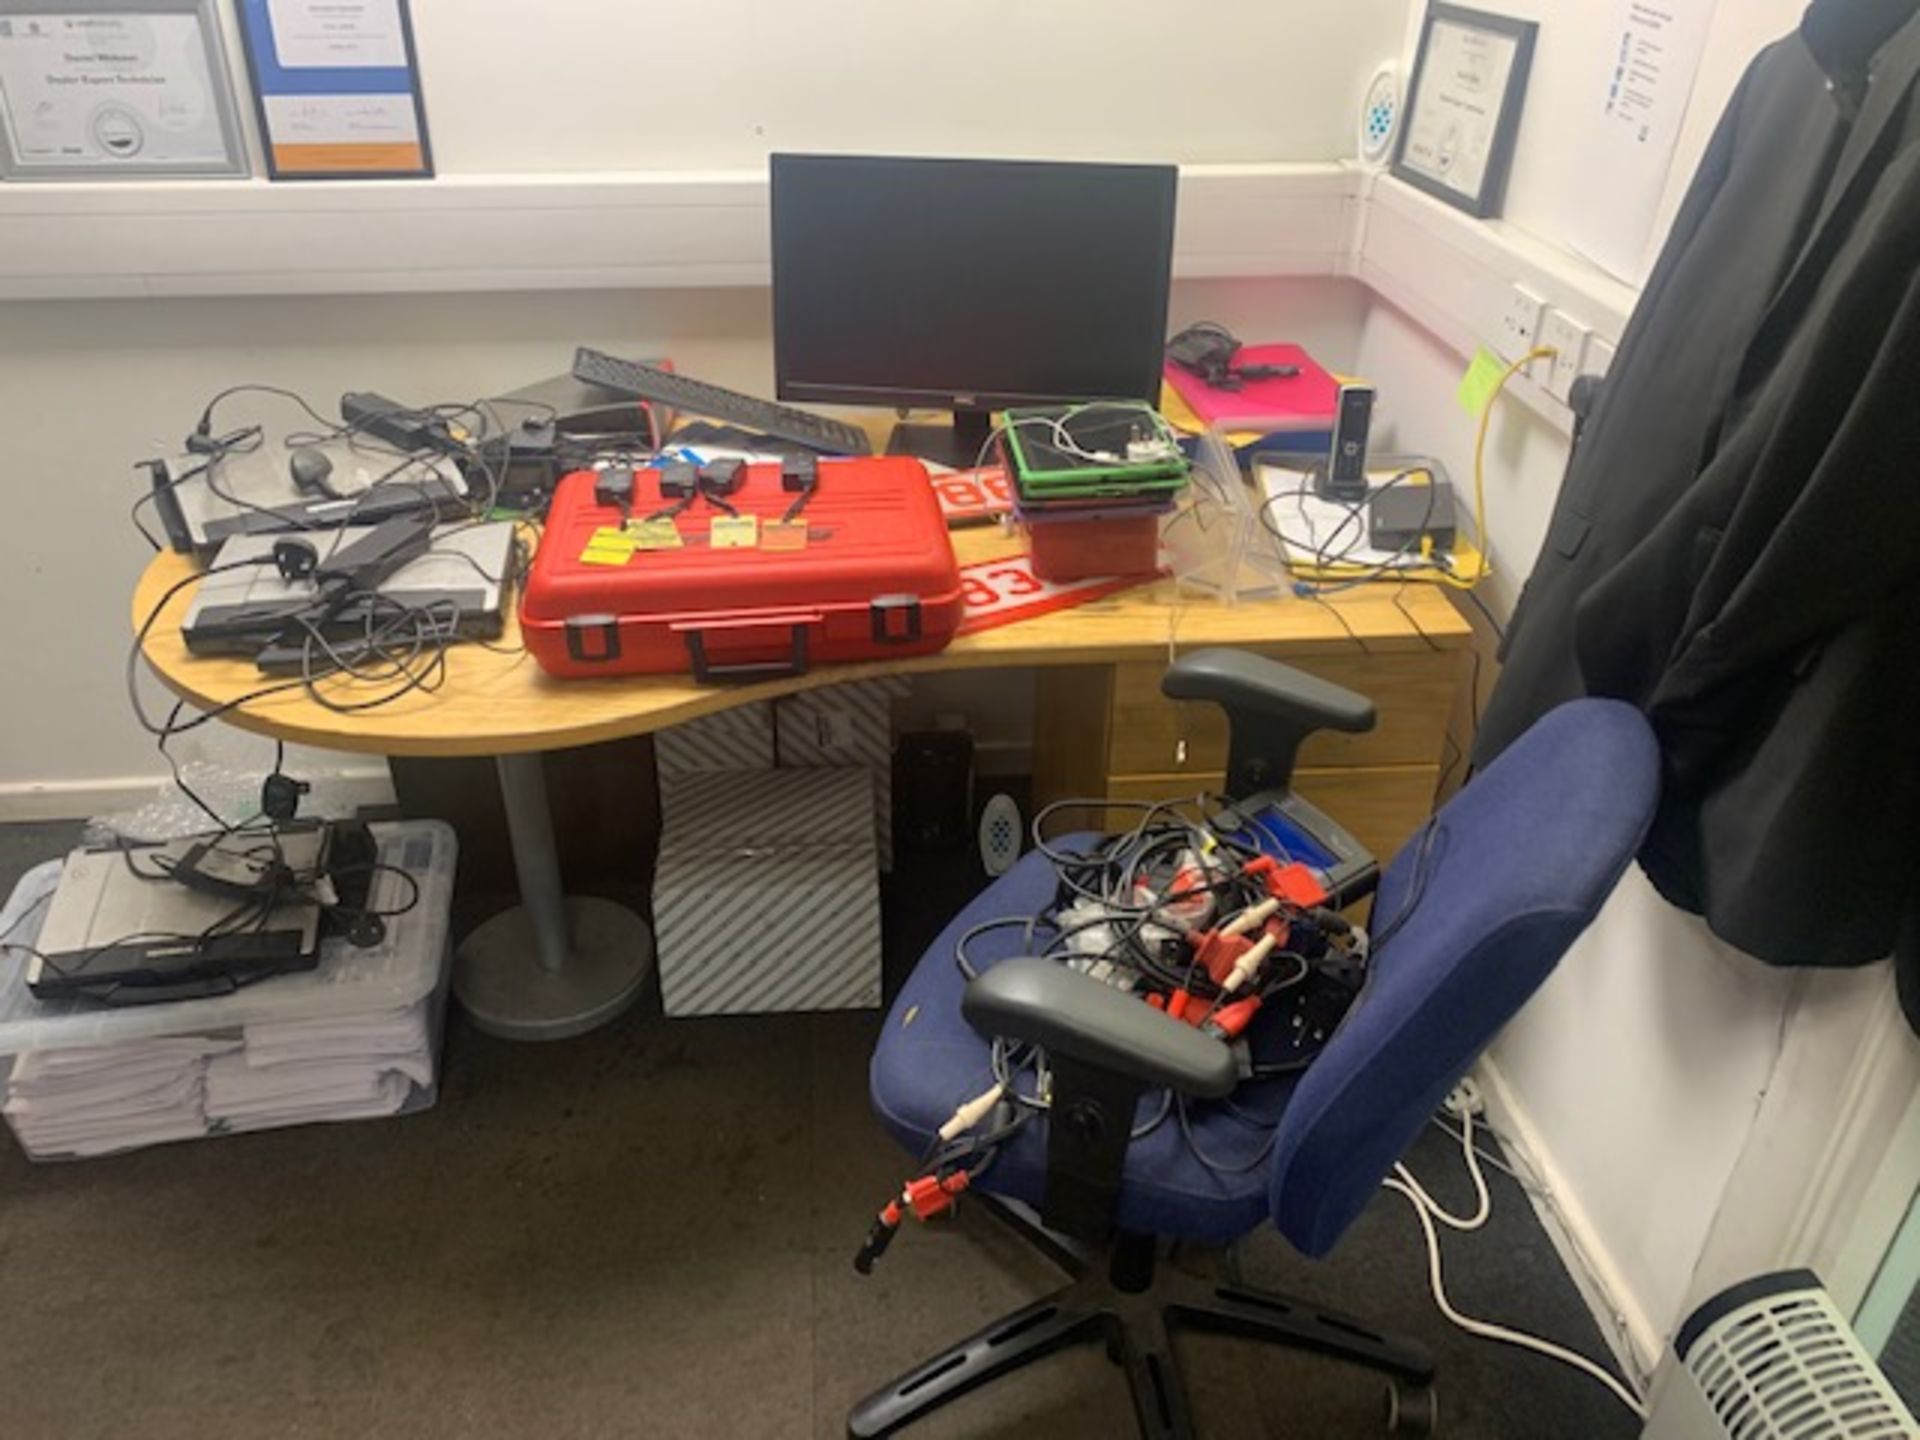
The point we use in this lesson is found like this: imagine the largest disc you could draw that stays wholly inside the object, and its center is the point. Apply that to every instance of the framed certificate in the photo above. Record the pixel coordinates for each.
(336, 85)
(1463, 108)
(104, 89)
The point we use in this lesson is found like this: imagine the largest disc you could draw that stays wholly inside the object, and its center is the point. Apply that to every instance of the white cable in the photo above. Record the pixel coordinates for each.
(1418, 1194)
(1426, 1212)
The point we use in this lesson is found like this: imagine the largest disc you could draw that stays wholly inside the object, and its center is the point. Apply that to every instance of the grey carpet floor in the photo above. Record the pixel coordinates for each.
(648, 1232)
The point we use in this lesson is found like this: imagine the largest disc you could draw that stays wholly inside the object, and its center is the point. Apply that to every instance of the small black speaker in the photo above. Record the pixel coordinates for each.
(933, 790)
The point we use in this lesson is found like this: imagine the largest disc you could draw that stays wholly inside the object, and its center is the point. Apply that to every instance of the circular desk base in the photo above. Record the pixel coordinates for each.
(498, 980)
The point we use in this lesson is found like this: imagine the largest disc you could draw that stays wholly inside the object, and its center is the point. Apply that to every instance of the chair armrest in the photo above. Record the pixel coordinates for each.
(1070, 1014)
(1270, 709)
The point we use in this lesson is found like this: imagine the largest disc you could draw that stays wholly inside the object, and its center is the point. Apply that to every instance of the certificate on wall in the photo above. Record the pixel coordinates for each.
(336, 84)
(1463, 108)
(105, 90)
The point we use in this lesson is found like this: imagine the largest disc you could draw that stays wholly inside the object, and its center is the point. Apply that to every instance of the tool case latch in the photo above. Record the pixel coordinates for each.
(896, 618)
(593, 637)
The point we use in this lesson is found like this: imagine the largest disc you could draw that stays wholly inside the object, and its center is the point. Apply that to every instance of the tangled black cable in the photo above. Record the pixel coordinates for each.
(1193, 917)
(1329, 552)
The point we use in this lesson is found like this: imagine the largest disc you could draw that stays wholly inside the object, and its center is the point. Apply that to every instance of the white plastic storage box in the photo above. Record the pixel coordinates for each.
(358, 1037)
(844, 727)
(766, 896)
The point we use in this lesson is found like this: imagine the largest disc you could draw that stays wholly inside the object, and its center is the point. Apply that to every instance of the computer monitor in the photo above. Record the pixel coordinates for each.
(969, 285)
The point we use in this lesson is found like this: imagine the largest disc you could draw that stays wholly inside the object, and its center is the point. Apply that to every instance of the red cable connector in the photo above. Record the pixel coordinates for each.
(926, 1196)
(930, 1195)
(1218, 952)
(1298, 886)
(1228, 1021)
(1294, 883)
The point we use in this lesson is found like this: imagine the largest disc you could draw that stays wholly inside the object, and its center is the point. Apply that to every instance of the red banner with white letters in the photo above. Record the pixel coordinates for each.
(999, 592)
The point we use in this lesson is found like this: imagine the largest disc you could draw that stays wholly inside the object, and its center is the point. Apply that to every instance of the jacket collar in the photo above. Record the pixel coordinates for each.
(1891, 59)
(1843, 37)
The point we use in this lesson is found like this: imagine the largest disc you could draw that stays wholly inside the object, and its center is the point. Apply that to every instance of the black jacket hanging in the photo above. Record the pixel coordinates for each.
(1736, 547)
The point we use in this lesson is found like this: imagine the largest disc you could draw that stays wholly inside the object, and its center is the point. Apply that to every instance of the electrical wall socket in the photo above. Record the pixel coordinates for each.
(1599, 356)
(1519, 322)
(1465, 1099)
(1567, 337)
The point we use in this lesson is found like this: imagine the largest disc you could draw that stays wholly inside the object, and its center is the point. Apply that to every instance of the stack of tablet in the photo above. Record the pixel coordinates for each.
(1090, 483)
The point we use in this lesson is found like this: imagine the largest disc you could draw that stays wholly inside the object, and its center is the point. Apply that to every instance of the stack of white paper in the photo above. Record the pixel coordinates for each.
(345, 1068)
(99, 1099)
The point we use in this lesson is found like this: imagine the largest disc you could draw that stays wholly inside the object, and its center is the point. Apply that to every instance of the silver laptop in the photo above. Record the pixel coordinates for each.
(118, 929)
(253, 492)
(463, 575)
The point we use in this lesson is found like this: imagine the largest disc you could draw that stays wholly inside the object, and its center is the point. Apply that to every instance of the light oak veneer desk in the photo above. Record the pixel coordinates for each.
(557, 966)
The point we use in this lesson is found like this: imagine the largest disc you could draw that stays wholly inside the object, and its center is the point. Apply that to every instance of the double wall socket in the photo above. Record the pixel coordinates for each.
(1567, 338)
(1525, 322)
(1518, 326)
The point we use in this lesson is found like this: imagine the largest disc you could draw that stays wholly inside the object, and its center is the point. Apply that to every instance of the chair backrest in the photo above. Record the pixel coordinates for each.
(1472, 915)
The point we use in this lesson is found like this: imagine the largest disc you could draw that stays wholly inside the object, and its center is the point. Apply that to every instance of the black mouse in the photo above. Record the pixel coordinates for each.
(310, 469)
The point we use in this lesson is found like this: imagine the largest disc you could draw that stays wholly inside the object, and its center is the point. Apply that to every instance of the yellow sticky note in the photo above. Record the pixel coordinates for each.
(1480, 381)
(783, 535)
(734, 532)
(659, 533)
(610, 535)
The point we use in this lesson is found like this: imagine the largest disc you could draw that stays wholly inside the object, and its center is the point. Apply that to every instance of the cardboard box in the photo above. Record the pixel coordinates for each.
(766, 896)
(736, 739)
(845, 726)
(732, 741)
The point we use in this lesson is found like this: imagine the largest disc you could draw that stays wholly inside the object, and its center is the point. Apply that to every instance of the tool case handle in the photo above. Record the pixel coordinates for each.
(740, 672)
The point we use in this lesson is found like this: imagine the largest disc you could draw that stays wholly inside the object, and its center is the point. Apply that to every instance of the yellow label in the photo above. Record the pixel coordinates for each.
(734, 532)
(783, 535)
(608, 545)
(1480, 381)
(659, 533)
(606, 555)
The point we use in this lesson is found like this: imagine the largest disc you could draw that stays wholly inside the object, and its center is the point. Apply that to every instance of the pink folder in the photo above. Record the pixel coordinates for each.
(1304, 402)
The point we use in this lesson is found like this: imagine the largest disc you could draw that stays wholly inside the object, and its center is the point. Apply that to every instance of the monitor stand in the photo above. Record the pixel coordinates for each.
(957, 445)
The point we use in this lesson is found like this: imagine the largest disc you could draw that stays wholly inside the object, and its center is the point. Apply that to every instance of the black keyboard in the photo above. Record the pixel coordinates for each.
(646, 382)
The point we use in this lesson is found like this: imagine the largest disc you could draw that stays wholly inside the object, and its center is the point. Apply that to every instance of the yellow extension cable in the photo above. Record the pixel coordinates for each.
(1462, 582)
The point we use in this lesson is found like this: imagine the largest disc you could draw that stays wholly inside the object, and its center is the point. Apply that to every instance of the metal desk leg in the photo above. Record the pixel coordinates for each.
(554, 966)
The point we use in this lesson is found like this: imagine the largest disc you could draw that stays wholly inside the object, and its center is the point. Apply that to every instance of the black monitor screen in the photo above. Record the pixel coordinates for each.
(969, 283)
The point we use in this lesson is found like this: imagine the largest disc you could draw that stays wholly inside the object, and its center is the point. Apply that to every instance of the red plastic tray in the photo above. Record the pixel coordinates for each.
(876, 579)
(1076, 549)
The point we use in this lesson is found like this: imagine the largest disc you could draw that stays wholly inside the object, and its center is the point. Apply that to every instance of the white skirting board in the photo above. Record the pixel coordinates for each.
(345, 790)
(1632, 1336)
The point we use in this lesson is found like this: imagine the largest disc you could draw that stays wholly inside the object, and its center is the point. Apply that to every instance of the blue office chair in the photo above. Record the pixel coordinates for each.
(1471, 916)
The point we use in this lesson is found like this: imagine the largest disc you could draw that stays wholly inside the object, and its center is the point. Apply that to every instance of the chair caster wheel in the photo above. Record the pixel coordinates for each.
(1411, 1409)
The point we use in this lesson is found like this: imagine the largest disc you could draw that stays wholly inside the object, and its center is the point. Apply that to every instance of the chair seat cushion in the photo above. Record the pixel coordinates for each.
(929, 1061)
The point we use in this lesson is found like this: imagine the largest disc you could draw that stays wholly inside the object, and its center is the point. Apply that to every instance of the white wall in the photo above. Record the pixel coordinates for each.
(625, 86)
(87, 388)
(1639, 1077)
(1543, 189)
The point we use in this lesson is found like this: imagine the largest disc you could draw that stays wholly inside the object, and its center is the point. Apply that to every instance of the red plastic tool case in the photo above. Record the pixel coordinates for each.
(876, 579)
